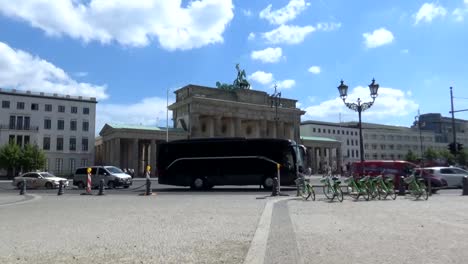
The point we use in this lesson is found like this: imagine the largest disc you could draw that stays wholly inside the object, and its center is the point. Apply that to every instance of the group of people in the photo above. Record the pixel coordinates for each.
(130, 172)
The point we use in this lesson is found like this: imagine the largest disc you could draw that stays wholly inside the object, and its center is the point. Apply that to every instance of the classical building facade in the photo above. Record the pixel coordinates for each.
(62, 125)
(201, 112)
(442, 127)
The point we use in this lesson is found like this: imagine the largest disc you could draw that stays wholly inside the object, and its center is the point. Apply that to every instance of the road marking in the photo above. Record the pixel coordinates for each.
(257, 250)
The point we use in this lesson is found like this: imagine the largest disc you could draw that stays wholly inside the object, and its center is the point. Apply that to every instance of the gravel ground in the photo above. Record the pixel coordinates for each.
(129, 229)
(400, 231)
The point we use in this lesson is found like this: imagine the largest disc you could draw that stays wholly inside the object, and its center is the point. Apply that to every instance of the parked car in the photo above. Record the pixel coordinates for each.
(112, 176)
(39, 179)
(437, 182)
(453, 175)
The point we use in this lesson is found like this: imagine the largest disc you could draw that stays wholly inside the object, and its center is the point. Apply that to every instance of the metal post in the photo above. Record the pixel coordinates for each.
(401, 186)
(60, 189)
(453, 122)
(101, 187)
(167, 116)
(429, 186)
(465, 185)
(23, 188)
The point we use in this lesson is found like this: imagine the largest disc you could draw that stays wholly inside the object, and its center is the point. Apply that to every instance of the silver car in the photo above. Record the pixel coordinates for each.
(38, 180)
(453, 175)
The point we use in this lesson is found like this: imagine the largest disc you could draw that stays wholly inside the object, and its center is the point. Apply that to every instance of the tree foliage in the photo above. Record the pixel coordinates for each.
(10, 157)
(29, 158)
(431, 154)
(32, 158)
(410, 156)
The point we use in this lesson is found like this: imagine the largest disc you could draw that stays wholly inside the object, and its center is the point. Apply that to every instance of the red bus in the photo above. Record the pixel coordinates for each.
(395, 168)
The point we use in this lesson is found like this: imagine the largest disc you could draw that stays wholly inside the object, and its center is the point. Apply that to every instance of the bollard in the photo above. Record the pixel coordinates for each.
(148, 187)
(465, 185)
(101, 187)
(60, 188)
(275, 187)
(401, 186)
(23, 188)
(429, 187)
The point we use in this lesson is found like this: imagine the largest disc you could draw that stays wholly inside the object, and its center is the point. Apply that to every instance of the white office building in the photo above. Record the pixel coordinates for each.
(62, 125)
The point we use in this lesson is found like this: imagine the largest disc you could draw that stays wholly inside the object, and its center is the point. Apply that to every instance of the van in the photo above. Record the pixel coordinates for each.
(113, 177)
(389, 168)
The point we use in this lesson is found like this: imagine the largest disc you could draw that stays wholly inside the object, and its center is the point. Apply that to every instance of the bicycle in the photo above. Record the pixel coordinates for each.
(332, 190)
(358, 188)
(385, 187)
(416, 187)
(305, 189)
(372, 187)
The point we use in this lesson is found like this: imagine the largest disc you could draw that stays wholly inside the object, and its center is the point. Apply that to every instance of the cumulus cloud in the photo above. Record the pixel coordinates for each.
(428, 12)
(460, 13)
(23, 71)
(315, 69)
(247, 12)
(149, 112)
(288, 34)
(262, 77)
(284, 14)
(389, 103)
(251, 36)
(286, 84)
(268, 55)
(328, 26)
(378, 38)
(129, 23)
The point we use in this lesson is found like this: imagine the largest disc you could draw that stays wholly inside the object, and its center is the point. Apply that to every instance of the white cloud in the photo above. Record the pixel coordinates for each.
(129, 23)
(460, 13)
(262, 77)
(389, 103)
(80, 74)
(268, 55)
(149, 111)
(247, 12)
(315, 69)
(378, 38)
(285, 14)
(251, 36)
(428, 12)
(287, 34)
(23, 71)
(286, 84)
(328, 26)
(405, 51)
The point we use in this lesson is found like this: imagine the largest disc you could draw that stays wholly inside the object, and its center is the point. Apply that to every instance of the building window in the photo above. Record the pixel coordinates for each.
(72, 145)
(85, 111)
(356, 142)
(352, 153)
(313, 129)
(46, 143)
(19, 122)
(347, 132)
(85, 125)
(60, 124)
(383, 156)
(19, 140)
(84, 162)
(319, 130)
(59, 144)
(48, 108)
(74, 109)
(352, 142)
(5, 104)
(12, 122)
(333, 131)
(329, 131)
(58, 165)
(348, 154)
(26, 140)
(374, 146)
(84, 144)
(72, 165)
(27, 121)
(61, 108)
(382, 146)
(47, 124)
(366, 146)
(347, 142)
(34, 106)
(73, 125)
(20, 105)
(11, 139)
(375, 156)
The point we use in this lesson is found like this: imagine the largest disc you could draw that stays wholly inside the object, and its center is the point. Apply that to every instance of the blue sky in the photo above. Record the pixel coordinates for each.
(128, 53)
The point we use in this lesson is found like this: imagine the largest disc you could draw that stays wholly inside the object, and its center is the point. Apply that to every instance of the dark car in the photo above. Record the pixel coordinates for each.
(436, 181)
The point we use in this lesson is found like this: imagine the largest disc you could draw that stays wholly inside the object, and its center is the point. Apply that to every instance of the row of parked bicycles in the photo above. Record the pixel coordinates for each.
(379, 187)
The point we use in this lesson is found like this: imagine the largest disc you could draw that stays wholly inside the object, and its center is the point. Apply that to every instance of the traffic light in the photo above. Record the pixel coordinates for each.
(451, 147)
(459, 147)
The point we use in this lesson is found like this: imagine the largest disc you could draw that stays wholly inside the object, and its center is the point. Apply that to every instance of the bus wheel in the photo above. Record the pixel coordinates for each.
(268, 183)
(198, 183)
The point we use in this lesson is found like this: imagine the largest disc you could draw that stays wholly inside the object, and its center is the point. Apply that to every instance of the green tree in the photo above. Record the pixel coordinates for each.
(462, 157)
(10, 158)
(447, 156)
(32, 158)
(430, 154)
(410, 156)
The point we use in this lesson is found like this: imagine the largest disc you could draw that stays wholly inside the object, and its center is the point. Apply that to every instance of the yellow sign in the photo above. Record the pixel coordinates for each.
(88, 170)
(148, 168)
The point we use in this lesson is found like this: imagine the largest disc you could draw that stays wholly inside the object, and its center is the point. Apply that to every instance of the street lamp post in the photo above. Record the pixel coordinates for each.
(276, 101)
(359, 107)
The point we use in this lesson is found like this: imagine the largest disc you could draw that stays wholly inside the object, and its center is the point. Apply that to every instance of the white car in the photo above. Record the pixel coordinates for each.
(39, 179)
(453, 175)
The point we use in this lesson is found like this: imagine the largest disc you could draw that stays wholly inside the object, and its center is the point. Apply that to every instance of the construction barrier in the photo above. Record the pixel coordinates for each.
(88, 183)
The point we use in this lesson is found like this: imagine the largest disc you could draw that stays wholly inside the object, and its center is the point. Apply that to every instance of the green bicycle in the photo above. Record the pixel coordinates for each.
(305, 189)
(372, 187)
(332, 188)
(385, 187)
(416, 187)
(357, 188)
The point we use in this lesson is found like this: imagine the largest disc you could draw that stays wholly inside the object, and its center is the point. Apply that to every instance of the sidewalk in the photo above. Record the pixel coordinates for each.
(9, 198)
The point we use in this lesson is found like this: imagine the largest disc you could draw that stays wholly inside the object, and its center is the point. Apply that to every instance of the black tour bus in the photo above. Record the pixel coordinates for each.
(204, 163)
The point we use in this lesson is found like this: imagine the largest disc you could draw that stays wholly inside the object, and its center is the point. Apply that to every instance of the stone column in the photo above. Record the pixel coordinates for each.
(107, 158)
(232, 127)
(238, 127)
(153, 158)
(211, 126)
(134, 155)
(116, 151)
